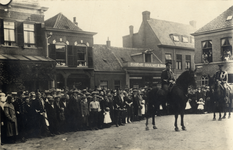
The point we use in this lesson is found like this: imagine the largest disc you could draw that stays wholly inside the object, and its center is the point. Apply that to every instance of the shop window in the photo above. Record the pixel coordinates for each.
(103, 84)
(9, 33)
(117, 84)
(204, 80)
(148, 58)
(168, 58)
(188, 61)
(207, 51)
(226, 46)
(29, 37)
(179, 61)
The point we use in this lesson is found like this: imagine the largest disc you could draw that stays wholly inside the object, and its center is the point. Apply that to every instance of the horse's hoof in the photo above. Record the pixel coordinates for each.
(154, 127)
(224, 117)
(183, 128)
(214, 119)
(177, 129)
(229, 117)
(220, 119)
(147, 128)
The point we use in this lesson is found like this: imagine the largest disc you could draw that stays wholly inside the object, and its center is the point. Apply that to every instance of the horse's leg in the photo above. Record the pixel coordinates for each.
(214, 111)
(153, 121)
(220, 114)
(182, 120)
(224, 111)
(147, 117)
(176, 117)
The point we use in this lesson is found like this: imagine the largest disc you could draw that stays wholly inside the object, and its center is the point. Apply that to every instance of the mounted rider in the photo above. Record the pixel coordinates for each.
(221, 79)
(167, 77)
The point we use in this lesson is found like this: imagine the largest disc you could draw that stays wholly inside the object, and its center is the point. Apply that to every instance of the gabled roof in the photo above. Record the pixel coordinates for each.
(60, 21)
(112, 58)
(163, 29)
(104, 60)
(219, 22)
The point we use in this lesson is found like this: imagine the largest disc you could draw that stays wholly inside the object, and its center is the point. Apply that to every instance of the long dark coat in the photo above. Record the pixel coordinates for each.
(11, 120)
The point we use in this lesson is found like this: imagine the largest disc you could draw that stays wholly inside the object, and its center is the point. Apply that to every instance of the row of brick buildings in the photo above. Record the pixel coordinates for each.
(56, 53)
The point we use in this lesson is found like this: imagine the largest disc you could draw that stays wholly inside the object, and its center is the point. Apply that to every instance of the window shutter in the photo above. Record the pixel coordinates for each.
(72, 61)
(1, 32)
(90, 57)
(52, 51)
(19, 30)
(38, 35)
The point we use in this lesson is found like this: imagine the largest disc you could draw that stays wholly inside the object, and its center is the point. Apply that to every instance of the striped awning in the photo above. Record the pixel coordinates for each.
(5, 57)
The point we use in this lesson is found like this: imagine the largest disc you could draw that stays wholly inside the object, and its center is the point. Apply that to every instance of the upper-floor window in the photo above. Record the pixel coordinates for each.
(29, 35)
(61, 55)
(178, 61)
(9, 33)
(226, 46)
(148, 58)
(81, 56)
(207, 51)
(191, 39)
(188, 61)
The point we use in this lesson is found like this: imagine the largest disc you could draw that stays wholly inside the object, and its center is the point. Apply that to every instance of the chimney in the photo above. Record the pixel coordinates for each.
(108, 43)
(193, 23)
(131, 30)
(145, 15)
(74, 20)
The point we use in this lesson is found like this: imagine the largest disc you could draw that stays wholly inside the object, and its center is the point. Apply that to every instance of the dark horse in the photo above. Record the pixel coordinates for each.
(176, 98)
(221, 102)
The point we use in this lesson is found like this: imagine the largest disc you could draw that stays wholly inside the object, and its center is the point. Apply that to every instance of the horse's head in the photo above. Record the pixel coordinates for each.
(187, 78)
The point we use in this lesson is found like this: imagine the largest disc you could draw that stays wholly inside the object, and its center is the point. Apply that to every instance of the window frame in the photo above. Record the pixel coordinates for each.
(60, 60)
(178, 62)
(187, 62)
(205, 80)
(207, 51)
(9, 42)
(29, 35)
(226, 47)
(116, 85)
(101, 81)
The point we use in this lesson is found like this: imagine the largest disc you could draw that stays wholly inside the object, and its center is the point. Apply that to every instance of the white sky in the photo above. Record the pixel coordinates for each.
(112, 18)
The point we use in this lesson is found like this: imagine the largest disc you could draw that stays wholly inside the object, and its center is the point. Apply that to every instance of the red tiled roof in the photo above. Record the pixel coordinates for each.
(219, 22)
(60, 21)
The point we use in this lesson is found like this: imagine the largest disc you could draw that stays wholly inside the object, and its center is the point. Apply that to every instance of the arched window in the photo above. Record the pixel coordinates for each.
(204, 80)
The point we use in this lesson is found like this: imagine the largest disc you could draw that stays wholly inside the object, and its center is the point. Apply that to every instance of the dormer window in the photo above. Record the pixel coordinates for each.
(176, 38)
(191, 39)
(185, 39)
(148, 58)
(229, 18)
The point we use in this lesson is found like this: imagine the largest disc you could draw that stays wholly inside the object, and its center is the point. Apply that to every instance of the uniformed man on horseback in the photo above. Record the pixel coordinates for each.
(221, 79)
(167, 77)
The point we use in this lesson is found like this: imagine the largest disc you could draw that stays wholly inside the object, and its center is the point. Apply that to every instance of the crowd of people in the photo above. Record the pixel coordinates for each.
(38, 114)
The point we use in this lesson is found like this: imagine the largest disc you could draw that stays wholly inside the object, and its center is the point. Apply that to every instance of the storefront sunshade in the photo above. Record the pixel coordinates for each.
(25, 58)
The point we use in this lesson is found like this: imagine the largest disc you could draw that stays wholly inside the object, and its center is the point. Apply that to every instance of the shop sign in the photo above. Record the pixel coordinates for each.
(150, 65)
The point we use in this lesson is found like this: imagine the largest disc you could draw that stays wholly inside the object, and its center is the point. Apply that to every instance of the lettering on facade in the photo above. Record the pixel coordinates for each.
(133, 64)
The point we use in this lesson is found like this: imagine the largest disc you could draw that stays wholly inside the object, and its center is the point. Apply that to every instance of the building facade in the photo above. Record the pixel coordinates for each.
(120, 68)
(213, 44)
(23, 61)
(169, 41)
(71, 48)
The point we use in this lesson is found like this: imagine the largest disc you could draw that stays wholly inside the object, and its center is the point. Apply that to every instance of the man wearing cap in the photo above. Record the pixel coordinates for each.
(167, 77)
(94, 108)
(221, 78)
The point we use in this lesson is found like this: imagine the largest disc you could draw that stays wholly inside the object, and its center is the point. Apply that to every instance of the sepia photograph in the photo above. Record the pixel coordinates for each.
(116, 74)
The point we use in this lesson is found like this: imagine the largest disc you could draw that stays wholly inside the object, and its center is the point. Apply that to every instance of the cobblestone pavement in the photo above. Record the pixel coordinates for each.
(202, 134)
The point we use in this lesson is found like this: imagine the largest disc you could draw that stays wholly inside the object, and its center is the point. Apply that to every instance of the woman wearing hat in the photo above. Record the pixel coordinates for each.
(11, 120)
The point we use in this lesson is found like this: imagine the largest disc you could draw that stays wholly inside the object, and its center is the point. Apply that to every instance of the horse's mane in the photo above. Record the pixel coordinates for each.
(183, 78)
